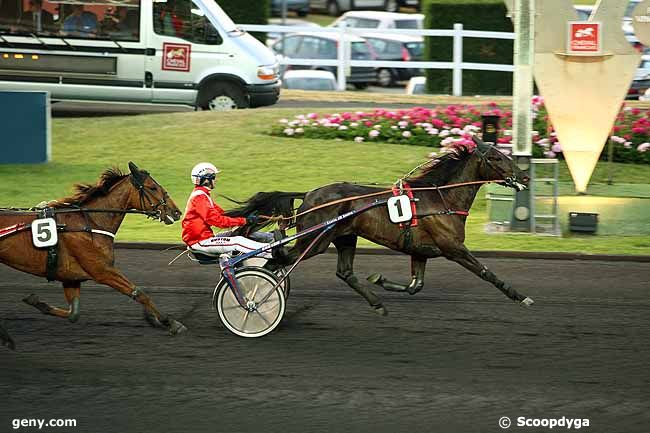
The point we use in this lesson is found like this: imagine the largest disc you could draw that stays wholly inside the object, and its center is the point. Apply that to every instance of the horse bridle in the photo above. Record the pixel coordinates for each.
(146, 194)
(510, 181)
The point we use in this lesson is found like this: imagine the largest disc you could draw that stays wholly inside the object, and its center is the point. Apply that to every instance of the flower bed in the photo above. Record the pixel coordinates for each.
(454, 124)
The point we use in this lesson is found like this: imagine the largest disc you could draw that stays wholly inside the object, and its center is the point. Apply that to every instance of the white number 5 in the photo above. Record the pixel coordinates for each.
(44, 233)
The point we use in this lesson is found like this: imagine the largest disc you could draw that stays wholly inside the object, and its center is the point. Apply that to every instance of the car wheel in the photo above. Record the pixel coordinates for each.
(333, 8)
(392, 6)
(385, 78)
(223, 97)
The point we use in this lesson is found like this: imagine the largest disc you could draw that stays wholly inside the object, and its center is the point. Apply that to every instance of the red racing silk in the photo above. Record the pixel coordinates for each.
(201, 213)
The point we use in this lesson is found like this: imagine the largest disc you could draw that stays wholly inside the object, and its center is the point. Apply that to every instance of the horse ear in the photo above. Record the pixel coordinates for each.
(480, 144)
(134, 168)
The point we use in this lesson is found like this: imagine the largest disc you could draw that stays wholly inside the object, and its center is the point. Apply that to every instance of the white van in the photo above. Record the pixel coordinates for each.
(141, 51)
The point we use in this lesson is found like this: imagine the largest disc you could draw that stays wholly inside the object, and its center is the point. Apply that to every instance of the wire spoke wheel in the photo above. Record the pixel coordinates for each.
(267, 304)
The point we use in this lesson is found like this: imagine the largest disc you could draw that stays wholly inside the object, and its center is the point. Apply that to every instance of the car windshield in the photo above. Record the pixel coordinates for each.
(360, 51)
(418, 89)
(406, 24)
(310, 83)
(363, 23)
(415, 49)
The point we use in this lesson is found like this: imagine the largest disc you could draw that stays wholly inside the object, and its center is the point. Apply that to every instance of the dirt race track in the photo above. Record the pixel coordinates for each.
(454, 358)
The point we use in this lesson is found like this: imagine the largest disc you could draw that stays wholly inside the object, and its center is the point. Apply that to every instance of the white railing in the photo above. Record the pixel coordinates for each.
(344, 63)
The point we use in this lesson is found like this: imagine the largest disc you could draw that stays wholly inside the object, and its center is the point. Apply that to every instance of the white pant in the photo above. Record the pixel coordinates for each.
(226, 244)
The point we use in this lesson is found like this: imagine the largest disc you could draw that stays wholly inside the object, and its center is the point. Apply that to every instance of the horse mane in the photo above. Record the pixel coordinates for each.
(85, 192)
(438, 171)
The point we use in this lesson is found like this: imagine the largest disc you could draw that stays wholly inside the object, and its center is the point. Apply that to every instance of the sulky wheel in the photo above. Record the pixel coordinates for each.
(267, 304)
(259, 262)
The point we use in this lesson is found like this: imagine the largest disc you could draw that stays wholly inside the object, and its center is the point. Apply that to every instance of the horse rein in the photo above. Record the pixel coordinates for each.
(387, 191)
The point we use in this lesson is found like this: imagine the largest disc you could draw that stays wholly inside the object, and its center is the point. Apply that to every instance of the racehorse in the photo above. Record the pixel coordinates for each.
(87, 223)
(444, 188)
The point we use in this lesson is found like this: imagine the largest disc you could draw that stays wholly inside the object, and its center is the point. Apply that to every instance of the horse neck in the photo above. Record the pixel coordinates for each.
(120, 198)
(463, 196)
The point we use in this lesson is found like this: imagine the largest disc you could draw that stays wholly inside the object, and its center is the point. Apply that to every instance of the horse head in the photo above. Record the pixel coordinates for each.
(496, 165)
(152, 197)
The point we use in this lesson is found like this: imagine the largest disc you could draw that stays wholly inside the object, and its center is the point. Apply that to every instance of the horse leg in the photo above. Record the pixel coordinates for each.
(418, 265)
(461, 255)
(71, 290)
(346, 247)
(114, 278)
(6, 340)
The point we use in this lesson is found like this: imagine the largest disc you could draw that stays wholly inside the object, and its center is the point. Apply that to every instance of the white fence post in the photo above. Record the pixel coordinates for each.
(457, 77)
(343, 57)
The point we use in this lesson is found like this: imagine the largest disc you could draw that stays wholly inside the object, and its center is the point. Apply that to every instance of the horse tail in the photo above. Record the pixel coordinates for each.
(275, 203)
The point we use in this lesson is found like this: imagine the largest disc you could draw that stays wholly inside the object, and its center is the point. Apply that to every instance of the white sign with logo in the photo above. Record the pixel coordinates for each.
(399, 209)
(44, 233)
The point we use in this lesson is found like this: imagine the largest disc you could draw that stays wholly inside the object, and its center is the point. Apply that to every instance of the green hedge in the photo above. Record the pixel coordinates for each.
(487, 15)
(248, 12)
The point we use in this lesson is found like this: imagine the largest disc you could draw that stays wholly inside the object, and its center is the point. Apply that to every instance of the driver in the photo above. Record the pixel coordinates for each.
(202, 213)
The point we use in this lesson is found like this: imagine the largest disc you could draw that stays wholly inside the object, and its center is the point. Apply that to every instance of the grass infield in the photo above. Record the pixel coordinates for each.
(168, 145)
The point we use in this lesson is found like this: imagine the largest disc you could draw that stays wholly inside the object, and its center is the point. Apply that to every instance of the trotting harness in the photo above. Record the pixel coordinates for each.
(46, 212)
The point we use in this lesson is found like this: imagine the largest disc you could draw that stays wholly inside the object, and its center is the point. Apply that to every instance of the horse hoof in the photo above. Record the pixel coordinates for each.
(6, 340)
(381, 310)
(176, 327)
(32, 300)
(152, 319)
(375, 278)
(527, 302)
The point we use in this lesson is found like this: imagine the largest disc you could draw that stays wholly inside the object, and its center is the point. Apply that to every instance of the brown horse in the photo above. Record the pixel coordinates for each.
(440, 230)
(87, 223)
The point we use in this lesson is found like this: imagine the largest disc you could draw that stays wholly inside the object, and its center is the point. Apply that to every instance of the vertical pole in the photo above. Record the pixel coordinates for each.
(531, 189)
(457, 77)
(556, 193)
(522, 122)
(610, 161)
(284, 23)
(341, 55)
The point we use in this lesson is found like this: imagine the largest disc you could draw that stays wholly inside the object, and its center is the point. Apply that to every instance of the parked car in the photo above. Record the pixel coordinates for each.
(271, 37)
(300, 7)
(336, 7)
(324, 46)
(396, 48)
(416, 86)
(646, 96)
(199, 58)
(381, 20)
(309, 80)
(641, 80)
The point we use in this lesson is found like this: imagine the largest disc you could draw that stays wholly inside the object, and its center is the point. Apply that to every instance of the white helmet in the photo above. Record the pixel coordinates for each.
(202, 171)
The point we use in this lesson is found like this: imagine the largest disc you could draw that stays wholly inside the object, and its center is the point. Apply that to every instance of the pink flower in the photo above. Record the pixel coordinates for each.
(359, 139)
(638, 130)
(312, 116)
(549, 154)
(556, 148)
(406, 134)
(643, 147)
(374, 133)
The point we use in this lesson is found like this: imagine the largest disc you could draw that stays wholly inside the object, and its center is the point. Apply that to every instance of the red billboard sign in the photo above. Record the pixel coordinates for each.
(584, 37)
(176, 57)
